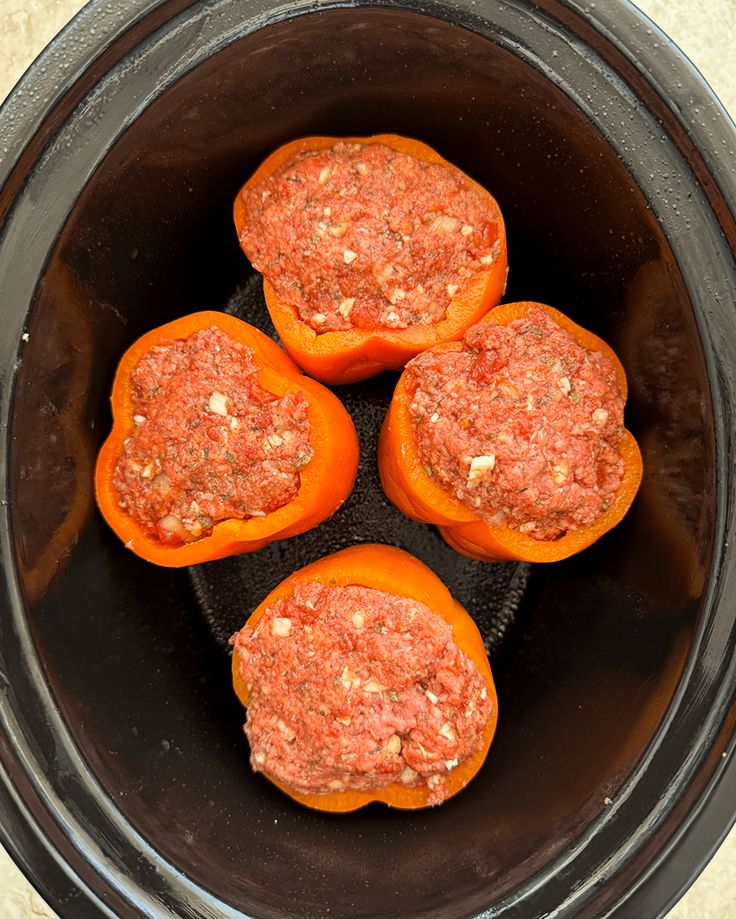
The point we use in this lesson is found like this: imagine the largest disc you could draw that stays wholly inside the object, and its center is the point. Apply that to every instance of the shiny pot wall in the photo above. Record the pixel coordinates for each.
(125, 785)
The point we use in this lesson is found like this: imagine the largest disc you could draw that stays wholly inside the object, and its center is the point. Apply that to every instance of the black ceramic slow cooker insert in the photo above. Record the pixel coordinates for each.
(124, 783)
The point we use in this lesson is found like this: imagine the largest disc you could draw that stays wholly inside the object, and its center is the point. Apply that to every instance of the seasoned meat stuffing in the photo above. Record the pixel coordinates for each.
(354, 688)
(361, 236)
(209, 443)
(523, 425)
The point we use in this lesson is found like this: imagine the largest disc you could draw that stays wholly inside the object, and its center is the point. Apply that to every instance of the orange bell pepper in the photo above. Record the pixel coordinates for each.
(355, 354)
(415, 494)
(326, 480)
(395, 572)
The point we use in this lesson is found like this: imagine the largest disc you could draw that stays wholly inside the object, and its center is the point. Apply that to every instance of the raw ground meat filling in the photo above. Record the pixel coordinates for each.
(361, 236)
(209, 442)
(523, 425)
(354, 688)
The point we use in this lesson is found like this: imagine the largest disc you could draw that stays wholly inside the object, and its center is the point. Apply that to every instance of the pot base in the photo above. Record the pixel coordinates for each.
(227, 591)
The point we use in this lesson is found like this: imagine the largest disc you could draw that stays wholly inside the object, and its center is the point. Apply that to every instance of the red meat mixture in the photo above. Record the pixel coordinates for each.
(523, 425)
(354, 688)
(209, 442)
(360, 236)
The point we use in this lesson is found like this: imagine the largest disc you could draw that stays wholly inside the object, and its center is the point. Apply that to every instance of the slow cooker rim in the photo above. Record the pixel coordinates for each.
(704, 817)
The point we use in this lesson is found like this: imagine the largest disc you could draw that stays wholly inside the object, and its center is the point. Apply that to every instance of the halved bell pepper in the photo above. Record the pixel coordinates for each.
(326, 480)
(395, 572)
(355, 354)
(410, 488)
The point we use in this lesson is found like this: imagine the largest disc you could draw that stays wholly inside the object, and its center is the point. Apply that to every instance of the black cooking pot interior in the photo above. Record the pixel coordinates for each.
(124, 756)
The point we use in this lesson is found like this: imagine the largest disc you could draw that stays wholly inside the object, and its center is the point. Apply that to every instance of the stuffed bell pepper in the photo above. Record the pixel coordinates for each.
(371, 250)
(365, 681)
(219, 444)
(513, 440)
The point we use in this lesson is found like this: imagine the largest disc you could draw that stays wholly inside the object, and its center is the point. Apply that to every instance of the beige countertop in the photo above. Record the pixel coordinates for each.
(705, 31)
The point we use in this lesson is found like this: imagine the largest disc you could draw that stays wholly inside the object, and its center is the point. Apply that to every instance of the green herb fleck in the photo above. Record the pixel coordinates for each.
(393, 696)
(428, 470)
(229, 456)
(575, 396)
(315, 239)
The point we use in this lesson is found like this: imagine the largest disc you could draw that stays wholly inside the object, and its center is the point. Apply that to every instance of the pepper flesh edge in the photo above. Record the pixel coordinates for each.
(394, 571)
(326, 480)
(356, 354)
(409, 487)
